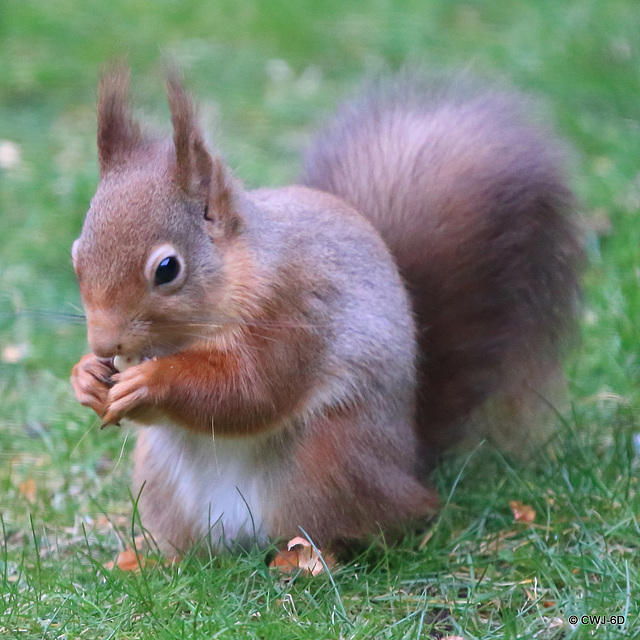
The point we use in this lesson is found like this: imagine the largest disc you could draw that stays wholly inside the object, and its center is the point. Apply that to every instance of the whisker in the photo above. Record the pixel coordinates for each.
(259, 335)
(77, 308)
(42, 313)
(193, 324)
(246, 323)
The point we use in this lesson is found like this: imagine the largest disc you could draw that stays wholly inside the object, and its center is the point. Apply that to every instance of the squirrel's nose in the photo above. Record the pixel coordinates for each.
(104, 334)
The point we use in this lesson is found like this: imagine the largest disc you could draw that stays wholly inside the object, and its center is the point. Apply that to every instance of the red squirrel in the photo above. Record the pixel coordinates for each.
(298, 355)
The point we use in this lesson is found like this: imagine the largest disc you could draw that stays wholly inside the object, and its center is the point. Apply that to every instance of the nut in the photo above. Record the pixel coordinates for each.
(122, 363)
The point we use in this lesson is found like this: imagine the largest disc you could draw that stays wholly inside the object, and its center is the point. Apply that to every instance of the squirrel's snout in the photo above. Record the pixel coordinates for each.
(105, 335)
(103, 348)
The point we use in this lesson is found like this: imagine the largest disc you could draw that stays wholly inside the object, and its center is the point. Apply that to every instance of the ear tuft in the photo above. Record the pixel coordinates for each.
(223, 199)
(194, 164)
(118, 133)
(197, 172)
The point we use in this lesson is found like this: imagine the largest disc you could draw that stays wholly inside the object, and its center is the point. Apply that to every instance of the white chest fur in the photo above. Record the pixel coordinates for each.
(220, 484)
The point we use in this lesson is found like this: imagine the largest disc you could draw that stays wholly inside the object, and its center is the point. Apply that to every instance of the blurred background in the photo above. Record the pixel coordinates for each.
(266, 75)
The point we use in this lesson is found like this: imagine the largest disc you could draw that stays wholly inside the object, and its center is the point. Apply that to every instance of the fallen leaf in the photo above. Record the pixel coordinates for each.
(129, 560)
(522, 512)
(28, 489)
(300, 555)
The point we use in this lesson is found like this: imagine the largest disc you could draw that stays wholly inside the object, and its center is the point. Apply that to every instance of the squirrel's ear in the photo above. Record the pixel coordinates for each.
(198, 173)
(118, 133)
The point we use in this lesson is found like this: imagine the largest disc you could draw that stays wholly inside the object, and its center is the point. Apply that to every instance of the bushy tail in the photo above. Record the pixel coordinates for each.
(473, 204)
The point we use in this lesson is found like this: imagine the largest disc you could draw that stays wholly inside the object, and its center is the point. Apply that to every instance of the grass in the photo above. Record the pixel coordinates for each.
(267, 73)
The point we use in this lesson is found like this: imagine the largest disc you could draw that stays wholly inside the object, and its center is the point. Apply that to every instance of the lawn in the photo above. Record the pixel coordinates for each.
(267, 74)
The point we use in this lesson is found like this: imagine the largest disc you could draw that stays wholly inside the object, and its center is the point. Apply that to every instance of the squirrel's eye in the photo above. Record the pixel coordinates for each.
(167, 271)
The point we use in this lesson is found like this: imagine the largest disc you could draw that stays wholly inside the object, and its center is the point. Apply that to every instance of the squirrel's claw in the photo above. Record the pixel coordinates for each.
(129, 394)
(90, 380)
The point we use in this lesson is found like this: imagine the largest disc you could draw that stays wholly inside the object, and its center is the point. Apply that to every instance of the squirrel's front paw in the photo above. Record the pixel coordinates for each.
(135, 393)
(91, 379)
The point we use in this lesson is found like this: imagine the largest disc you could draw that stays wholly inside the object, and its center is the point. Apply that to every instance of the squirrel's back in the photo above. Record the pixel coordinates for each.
(473, 204)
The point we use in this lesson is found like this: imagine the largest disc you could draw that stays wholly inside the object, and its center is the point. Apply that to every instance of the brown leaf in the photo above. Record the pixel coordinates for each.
(28, 489)
(301, 556)
(522, 512)
(134, 559)
(129, 560)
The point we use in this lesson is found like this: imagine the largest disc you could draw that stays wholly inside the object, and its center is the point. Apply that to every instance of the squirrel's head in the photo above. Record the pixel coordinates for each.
(152, 257)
